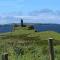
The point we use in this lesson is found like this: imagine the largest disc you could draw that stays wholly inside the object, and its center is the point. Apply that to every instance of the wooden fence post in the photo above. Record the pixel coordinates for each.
(51, 49)
(5, 56)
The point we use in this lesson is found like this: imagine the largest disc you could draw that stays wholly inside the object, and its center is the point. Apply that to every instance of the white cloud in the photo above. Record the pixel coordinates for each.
(40, 18)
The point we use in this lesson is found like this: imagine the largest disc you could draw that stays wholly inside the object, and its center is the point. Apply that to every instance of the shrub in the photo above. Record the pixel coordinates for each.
(36, 31)
(30, 27)
(24, 26)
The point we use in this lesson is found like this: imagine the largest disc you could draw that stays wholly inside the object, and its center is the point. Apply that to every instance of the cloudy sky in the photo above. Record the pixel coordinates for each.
(45, 11)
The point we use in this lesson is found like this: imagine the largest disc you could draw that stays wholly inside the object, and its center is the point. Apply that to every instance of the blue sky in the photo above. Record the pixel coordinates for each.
(47, 10)
(26, 6)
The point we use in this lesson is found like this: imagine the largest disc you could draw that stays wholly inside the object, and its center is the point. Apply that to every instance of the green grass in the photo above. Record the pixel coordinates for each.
(34, 45)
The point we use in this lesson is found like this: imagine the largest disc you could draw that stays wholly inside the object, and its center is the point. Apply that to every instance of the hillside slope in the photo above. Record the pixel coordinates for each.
(34, 45)
(21, 32)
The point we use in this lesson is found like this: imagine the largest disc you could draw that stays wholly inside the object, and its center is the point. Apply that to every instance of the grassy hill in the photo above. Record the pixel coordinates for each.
(21, 31)
(26, 44)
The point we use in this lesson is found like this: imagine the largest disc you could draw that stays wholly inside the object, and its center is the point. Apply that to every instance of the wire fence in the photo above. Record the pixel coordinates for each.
(29, 50)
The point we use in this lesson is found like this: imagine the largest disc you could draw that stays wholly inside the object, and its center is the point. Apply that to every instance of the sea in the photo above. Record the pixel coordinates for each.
(37, 27)
(6, 28)
(47, 27)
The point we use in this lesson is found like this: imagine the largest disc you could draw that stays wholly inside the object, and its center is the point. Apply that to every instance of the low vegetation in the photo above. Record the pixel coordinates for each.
(26, 44)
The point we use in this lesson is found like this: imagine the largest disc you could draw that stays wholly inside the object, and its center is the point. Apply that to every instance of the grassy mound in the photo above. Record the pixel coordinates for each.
(27, 44)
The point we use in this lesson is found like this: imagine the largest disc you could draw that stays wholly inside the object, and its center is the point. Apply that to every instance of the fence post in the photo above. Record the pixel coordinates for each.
(51, 49)
(5, 56)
